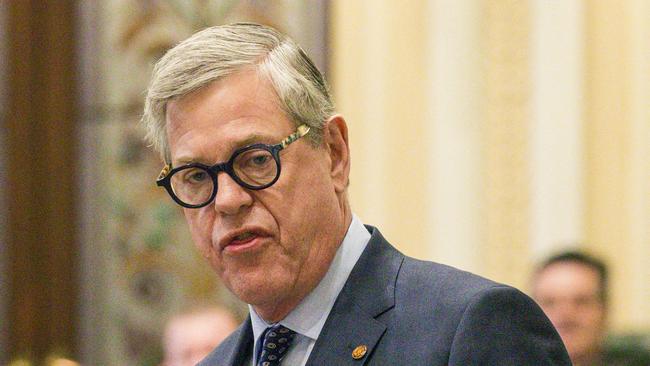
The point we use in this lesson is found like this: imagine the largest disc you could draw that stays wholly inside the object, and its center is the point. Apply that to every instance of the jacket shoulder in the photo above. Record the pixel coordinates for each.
(436, 280)
(478, 321)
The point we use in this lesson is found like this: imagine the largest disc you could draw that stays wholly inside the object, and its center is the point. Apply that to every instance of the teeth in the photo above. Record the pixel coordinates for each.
(244, 236)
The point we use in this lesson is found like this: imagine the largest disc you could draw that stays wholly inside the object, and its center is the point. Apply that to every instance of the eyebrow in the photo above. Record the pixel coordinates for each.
(249, 140)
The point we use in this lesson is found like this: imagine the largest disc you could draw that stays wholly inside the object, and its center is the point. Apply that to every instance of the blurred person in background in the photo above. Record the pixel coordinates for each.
(190, 335)
(572, 289)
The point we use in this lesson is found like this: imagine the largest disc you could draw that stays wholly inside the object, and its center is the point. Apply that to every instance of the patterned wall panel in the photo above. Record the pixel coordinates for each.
(148, 267)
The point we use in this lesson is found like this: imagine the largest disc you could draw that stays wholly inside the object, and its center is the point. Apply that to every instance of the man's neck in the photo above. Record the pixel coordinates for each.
(275, 312)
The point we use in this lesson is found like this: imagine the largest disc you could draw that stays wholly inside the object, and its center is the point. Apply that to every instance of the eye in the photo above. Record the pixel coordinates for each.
(254, 160)
(260, 160)
(195, 176)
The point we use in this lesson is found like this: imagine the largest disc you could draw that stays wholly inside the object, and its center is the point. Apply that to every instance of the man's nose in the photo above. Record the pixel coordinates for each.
(566, 310)
(231, 197)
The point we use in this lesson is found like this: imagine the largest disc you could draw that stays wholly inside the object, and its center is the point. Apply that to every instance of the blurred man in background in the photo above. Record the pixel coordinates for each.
(190, 335)
(571, 288)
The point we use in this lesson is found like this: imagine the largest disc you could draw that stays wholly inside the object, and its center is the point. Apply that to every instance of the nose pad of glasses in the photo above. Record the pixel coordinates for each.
(231, 196)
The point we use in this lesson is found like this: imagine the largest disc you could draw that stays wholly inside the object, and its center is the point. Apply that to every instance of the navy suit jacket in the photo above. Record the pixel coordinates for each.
(412, 312)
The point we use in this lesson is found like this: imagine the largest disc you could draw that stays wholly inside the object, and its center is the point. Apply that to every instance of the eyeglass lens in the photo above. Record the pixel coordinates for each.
(254, 168)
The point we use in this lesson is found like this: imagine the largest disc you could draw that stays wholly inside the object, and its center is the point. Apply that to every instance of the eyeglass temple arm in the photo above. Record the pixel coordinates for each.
(300, 132)
(163, 173)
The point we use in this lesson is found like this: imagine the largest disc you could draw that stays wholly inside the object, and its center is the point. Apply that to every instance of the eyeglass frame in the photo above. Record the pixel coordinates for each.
(164, 178)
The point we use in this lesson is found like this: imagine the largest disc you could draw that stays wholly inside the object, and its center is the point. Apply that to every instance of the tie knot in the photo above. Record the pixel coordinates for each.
(277, 340)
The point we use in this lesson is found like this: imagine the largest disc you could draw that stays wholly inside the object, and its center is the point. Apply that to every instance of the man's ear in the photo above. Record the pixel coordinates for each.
(335, 136)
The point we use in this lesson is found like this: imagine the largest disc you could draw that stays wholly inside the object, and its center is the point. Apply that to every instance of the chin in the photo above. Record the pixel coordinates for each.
(256, 288)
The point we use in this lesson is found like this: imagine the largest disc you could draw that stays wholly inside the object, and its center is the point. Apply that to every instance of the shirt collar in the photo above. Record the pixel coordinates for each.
(309, 316)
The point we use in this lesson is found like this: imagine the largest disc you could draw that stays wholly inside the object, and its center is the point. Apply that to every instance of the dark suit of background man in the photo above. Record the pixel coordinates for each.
(242, 108)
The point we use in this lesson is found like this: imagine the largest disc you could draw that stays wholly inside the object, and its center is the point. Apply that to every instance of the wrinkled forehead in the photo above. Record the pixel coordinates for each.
(229, 96)
(227, 111)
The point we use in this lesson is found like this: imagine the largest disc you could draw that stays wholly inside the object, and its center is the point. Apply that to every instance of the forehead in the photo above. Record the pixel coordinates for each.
(223, 113)
(567, 278)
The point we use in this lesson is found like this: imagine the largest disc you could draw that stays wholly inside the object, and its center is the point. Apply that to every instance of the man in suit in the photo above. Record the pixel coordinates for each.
(259, 159)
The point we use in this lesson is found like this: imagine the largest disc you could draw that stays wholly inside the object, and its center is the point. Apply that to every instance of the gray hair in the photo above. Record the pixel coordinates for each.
(217, 52)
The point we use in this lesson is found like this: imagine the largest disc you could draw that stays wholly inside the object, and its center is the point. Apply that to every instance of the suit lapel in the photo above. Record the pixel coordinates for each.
(368, 292)
(345, 332)
(243, 339)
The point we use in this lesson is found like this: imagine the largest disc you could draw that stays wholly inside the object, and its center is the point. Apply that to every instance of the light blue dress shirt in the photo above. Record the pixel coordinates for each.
(308, 318)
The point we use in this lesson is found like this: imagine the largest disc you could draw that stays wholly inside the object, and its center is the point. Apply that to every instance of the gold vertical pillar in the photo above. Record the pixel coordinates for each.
(638, 267)
(617, 167)
(378, 59)
(506, 134)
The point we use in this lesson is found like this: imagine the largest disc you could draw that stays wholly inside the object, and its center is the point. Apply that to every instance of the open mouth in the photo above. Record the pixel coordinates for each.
(244, 237)
(243, 240)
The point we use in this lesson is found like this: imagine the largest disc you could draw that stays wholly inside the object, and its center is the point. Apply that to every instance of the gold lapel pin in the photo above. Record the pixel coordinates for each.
(359, 352)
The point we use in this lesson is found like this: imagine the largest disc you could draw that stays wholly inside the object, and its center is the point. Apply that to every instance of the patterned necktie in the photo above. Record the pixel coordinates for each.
(277, 340)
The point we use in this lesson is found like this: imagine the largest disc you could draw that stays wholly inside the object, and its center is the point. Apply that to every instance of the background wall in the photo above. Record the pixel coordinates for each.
(489, 134)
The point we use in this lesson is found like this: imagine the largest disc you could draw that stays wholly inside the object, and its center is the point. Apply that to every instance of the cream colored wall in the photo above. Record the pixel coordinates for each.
(557, 125)
(379, 75)
(617, 167)
(488, 134)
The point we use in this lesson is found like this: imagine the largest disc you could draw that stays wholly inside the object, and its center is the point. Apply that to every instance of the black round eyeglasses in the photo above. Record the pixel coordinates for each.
(253, 167)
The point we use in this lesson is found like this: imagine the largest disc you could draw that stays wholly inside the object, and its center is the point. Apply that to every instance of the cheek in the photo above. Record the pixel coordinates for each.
(594, 318)
(550, 312)
(299, 212)
(201, 230)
